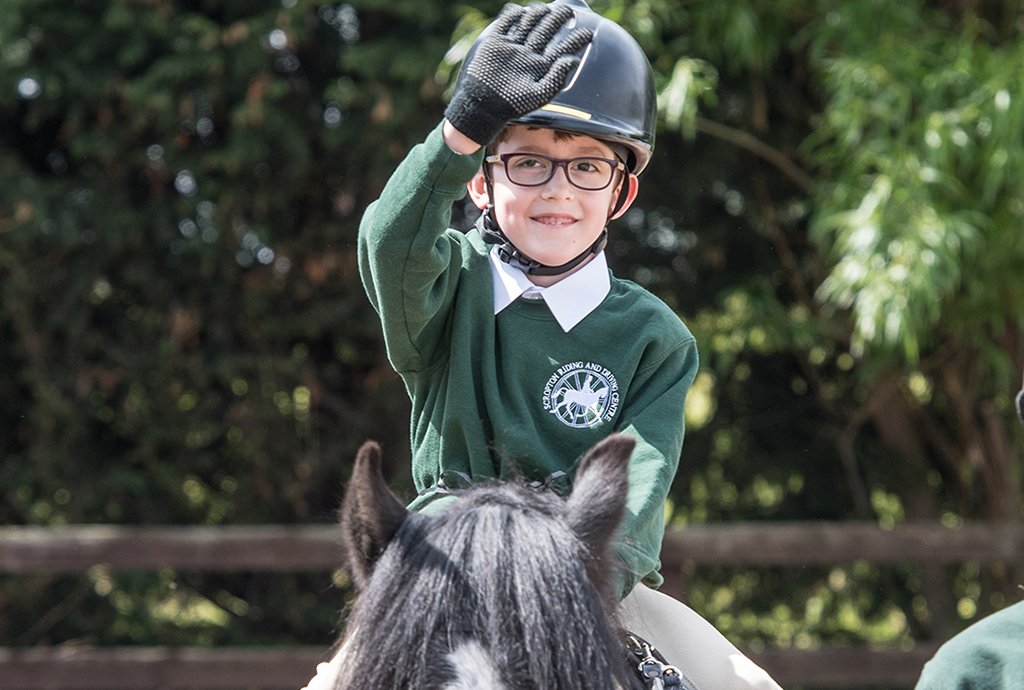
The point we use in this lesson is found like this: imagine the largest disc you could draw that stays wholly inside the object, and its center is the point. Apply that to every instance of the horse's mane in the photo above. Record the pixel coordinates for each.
(503, 568)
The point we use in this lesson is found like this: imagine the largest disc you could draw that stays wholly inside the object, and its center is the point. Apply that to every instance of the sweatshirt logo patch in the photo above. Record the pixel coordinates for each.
(582, 394)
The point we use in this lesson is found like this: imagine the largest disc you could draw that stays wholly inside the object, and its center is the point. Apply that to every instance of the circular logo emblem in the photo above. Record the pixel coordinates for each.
(582, 394)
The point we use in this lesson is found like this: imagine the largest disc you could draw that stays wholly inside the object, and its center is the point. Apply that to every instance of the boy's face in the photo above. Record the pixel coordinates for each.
(554, 222)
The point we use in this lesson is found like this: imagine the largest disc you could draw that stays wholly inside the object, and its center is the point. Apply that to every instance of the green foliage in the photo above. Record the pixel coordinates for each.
(930, 150)
(185, 339)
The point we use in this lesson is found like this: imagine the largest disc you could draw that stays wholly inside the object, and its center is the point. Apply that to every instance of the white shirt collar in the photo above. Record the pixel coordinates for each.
(570, 299)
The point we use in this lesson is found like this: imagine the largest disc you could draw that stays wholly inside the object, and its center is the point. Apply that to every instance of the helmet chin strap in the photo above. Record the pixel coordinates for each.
(511, 255)
(487, 226)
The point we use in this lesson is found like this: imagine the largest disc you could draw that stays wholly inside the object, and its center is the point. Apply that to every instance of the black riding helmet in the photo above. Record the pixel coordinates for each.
(610, 96)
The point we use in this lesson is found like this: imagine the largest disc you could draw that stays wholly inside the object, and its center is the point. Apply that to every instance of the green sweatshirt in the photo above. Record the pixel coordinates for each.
(512, 394)
(989, 655)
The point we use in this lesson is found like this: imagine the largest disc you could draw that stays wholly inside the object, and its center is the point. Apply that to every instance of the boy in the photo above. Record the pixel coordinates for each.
(518, 348)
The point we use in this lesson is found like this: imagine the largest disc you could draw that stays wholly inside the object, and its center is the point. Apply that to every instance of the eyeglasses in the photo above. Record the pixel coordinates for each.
(533, 169)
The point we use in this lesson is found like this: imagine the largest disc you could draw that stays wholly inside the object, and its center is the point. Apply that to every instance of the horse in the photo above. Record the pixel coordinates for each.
(507, 589)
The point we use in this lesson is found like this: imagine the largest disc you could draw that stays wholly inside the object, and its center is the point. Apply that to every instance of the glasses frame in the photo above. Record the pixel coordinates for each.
(556, 163)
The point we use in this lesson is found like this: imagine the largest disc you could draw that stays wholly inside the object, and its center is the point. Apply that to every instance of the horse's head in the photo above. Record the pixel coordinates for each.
(508, 582)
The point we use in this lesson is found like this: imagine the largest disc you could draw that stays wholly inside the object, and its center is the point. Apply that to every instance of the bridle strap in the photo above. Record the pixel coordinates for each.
(651, 667)
(1020, 403)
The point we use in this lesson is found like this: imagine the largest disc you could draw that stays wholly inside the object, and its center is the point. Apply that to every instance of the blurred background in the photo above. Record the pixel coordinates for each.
(835, 208)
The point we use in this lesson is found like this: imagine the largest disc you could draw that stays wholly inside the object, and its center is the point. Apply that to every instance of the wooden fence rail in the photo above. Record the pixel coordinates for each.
(278, 548)
(138, 668)
(281, 548)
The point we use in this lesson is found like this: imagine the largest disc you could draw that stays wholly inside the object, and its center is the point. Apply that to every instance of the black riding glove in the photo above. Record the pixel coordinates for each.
(515, 69)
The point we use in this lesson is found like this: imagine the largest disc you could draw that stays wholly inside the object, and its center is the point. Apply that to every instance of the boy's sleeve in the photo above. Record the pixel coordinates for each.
(986, 655)
(409, 260)
(654, 416)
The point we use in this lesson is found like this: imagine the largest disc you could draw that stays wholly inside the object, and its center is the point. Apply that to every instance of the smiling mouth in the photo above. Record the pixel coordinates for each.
(554, 221)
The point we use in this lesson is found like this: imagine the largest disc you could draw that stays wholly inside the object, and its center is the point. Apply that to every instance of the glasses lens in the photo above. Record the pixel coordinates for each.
(586, 173)
(528, 170)
(590, 173)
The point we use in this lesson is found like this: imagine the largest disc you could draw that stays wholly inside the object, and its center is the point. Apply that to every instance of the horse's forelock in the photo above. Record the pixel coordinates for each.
(501, 567)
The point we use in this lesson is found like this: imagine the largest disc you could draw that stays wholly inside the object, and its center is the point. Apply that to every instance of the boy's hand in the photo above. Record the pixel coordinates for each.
(515, 69)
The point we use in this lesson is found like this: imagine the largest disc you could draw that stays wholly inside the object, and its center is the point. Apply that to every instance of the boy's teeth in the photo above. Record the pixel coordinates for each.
(554, 220)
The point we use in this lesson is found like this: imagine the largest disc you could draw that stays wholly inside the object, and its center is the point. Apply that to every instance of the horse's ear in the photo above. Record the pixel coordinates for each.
(598, 500)
(370, 514)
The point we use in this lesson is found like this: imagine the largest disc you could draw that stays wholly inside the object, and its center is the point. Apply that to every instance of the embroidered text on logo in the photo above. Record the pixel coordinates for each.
(582, 394)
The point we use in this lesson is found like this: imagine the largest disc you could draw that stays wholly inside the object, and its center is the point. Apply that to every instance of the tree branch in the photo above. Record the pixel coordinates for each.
(760, 149)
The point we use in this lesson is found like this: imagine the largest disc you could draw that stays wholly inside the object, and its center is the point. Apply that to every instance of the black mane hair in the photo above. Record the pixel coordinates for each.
(521, 573)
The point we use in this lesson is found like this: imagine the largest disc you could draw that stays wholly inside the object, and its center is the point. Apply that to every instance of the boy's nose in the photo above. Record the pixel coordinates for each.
(559, 184)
